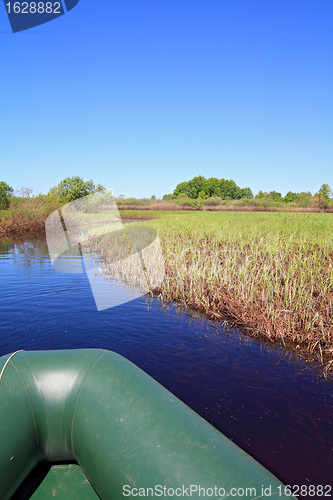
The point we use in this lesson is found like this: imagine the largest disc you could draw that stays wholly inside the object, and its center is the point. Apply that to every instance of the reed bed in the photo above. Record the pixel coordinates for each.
(270, 273)
(168, 206)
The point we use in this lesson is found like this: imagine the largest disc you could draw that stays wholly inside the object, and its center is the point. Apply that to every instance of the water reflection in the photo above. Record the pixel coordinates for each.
(23, 252)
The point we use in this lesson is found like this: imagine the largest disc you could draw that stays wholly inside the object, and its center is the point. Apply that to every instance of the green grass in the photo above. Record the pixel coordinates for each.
(271, 272)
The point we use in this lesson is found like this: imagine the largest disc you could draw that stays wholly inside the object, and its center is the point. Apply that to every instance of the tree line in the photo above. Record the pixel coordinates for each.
(201, 188)
(67, 190)
(197, 191)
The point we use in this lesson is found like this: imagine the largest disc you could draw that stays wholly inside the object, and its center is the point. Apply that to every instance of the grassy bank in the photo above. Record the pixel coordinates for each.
(26, 215)
(271, 273)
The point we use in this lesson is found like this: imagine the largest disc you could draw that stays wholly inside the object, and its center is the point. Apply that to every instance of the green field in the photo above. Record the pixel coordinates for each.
(272, 273)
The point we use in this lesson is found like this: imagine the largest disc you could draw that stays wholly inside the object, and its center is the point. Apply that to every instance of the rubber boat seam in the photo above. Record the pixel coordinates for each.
(30, 403)
(77, 399)
(10, 357)
(41, 397)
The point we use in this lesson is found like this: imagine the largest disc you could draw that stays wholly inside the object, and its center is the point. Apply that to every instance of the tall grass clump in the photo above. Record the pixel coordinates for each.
(271, 273)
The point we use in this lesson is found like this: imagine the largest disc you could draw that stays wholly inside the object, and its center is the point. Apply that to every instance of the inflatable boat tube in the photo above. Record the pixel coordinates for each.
(124, 429)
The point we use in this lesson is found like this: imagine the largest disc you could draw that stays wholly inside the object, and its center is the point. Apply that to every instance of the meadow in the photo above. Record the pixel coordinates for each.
(270, 273)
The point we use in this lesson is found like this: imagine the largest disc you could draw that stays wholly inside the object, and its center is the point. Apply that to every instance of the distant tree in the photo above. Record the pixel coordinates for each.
(275, 195)
(72, 188)
(261, 194)
(153, 198)
(99, 188)
(225, 189)
(5, 193)
(191, 188)
(25, 192)
(196, 185)
(200, 187)
(181, 188)
(213, 187)
(290, 197)
(325, 194)
(230, 190)
(203, 195)
(304, 199)
(167, 197)
(246, 193)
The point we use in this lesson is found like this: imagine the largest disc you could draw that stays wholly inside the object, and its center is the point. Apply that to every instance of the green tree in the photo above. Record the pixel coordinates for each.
(72, 188)
(5, 193)
(224, 189)
(202, 195)
(304, 199)
(275, 195)
(246, 193)
(181, 188)
(196, 185)
(233, 191)
(200, 187)
(261, 194)
(213, 187)
(290, 197)
(325, 194)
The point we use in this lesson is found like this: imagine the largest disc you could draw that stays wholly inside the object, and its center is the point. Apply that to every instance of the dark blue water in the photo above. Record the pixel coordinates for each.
(264, 398)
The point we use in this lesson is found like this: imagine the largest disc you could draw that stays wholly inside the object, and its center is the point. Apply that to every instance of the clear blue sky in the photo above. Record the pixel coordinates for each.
(140, 95)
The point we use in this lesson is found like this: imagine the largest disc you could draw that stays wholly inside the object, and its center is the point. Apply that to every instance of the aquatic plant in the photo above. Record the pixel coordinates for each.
(271, 273)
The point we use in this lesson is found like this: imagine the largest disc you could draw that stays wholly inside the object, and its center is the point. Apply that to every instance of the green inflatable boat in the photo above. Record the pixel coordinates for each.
(109, 431)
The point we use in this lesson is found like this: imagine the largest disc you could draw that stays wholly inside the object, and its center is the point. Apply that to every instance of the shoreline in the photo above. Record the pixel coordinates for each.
(208, 274)
(228, 320)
